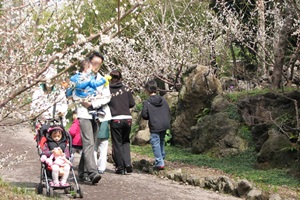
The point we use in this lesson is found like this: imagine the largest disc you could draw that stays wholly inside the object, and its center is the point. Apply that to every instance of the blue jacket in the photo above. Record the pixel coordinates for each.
(85, 85)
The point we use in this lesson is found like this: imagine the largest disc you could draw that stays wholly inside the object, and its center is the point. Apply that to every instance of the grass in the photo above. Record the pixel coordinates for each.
(240, 166)
(8, 191)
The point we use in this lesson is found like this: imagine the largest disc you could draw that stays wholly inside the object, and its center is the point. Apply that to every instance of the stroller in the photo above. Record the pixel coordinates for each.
(46, 172)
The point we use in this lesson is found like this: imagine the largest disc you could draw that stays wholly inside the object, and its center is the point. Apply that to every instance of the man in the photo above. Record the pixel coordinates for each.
(49, 101)
(87, 169)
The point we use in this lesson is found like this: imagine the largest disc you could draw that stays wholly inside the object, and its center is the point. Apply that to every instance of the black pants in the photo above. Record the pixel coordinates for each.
(120, 131)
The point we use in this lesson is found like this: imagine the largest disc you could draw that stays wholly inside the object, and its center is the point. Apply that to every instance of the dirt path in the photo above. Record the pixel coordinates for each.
(19, 164)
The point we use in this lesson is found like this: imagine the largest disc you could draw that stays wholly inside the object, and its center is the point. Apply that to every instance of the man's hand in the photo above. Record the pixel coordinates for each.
(86, 104)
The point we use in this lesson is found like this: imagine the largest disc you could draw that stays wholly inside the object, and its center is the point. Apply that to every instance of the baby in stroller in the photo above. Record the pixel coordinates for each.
(55, 153)
(54, 148)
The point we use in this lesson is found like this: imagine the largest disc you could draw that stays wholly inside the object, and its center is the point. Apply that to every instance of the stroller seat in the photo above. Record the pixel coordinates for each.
(45, 151)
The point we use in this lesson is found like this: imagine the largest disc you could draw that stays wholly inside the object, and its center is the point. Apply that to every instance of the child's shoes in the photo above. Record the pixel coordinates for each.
(64, 184)
(54, 184)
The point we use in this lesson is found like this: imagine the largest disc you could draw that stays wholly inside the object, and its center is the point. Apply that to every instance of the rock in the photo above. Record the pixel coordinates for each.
(142, 137)
(274, 197)
(225, 185)
(243, 187)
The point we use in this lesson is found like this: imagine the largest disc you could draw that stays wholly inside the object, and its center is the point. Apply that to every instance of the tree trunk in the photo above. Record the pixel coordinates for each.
(261, 37)
(280, 49)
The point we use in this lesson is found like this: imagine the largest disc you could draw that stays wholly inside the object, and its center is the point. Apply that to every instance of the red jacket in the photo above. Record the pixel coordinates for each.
(75, 133)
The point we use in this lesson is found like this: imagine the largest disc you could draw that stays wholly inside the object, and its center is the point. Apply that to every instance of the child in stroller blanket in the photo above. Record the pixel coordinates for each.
(57, 160)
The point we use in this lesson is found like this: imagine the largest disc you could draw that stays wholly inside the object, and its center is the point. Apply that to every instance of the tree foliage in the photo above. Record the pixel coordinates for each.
(36, 35)
(159, 39)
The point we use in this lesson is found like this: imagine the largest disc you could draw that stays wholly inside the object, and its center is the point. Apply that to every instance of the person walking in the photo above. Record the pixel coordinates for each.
(101, 146)
(49, 100)
(89, 126)
(120, 125)
(75, 133)
(156, 110)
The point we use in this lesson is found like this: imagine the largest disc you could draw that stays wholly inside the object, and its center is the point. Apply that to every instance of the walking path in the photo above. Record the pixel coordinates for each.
(20, 165)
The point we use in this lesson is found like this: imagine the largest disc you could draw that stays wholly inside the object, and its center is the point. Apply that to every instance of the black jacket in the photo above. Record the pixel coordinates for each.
(157, 111)
(121, 100)
(51, 144)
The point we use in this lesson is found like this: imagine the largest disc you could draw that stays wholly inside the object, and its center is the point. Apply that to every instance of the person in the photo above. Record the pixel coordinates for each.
(120, 125)
(48, 100)
(83, 85)
(74, 131)
(101, 146)
(56, 139)
(87, 169)
(156, 110)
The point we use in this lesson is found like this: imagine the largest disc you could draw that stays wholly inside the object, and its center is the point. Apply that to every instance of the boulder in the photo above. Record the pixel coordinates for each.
(200, 87)
(217, 134)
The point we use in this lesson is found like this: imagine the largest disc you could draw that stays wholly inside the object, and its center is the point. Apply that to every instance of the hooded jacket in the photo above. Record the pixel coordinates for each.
(121, 101)
(51, 144)
(157, 111)
(75, 133)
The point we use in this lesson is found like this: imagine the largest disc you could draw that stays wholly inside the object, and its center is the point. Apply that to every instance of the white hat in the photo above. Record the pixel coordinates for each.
(50, 72)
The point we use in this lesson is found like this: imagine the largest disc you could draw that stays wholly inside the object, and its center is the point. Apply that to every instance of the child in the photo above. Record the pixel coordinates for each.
(75, 133)
(56, 139)
(83, 85)
(101, 146)
(157, 111)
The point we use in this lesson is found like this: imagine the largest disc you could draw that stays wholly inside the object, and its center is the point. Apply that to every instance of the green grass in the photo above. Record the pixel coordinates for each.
(9, 191)
(241, 166)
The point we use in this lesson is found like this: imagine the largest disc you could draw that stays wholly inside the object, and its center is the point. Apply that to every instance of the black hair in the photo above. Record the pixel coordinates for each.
(151, 86)
(116, 76)
(95, 54)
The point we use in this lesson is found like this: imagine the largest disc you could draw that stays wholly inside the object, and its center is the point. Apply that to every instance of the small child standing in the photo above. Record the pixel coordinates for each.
(157, 111)
(75, 133)
(57, 140)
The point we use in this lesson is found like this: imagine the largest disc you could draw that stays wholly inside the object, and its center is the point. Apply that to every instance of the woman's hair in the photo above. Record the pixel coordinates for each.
(151, 86)
(116, 76)
(84, 64)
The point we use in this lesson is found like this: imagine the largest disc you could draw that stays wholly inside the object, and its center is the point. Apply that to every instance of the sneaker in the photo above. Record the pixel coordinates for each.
(101, 112)
(160, 167)
(92, 112)
(64, 184)
(84, 179)
(100, 171)
(96, 178)
(54, 184)
(120, 170)
(129, 169)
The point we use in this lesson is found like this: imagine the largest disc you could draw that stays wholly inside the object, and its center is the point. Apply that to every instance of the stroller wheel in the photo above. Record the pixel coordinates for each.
(67, 190)
(39, 188)
(49, 192)
(79, 192)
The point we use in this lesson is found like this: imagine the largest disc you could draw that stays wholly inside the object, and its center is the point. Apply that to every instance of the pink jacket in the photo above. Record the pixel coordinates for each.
(75, 133)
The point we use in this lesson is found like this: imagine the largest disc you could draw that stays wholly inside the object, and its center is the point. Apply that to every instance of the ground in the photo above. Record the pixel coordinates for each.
(20, 165)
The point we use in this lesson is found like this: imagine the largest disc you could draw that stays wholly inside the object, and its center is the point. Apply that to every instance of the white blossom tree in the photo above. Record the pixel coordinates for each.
(161, 39)
(36, 35)
(170, 38)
